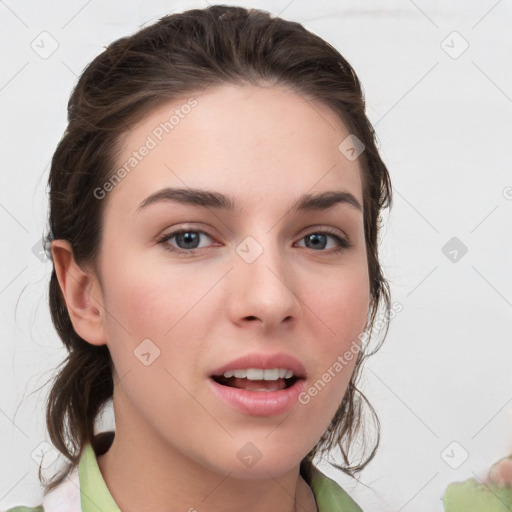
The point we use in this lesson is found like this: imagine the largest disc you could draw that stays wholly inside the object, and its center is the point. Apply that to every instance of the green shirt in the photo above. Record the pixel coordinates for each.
(86, 491)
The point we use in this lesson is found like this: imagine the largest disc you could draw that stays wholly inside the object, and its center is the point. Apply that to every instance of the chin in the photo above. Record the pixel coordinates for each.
(259, 460)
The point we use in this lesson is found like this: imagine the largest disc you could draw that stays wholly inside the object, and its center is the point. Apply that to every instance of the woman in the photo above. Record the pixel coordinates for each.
(215, 205)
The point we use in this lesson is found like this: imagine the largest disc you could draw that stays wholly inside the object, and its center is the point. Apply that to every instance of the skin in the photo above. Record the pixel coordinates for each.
(176, 443)
(501, 472)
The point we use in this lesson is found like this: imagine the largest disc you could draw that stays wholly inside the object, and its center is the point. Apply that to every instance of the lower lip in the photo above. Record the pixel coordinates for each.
(260, 403)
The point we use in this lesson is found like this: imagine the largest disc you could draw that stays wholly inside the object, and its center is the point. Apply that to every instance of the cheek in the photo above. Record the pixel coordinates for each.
(342, 304)
(152, 301)
(170, 305)
(342, 308)
(150, 315)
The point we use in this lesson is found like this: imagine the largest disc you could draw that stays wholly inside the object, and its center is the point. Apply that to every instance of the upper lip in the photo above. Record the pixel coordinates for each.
(265, 362)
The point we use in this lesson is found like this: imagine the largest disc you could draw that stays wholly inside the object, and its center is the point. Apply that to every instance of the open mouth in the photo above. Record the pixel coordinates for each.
(254, 379)
(266, 387)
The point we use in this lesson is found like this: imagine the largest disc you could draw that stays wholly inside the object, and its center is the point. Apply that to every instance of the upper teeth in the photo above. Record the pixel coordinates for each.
(259, 374)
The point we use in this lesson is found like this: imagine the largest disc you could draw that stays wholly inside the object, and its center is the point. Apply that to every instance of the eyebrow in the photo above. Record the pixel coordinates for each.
(218, 201)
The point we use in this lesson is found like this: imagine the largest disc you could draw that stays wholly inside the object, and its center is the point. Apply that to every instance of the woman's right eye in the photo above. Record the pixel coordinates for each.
(186, 240)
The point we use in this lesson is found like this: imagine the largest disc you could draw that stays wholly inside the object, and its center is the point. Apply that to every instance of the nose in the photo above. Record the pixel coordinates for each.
(263, 289)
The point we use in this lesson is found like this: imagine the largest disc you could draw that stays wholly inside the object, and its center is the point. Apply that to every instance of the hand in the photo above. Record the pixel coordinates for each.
(501, 472)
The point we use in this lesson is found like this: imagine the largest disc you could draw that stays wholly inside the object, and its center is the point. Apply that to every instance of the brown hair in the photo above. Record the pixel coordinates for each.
(180, 54)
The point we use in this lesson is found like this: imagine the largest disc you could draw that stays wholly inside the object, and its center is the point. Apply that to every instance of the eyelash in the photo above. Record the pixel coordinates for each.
(343, 244)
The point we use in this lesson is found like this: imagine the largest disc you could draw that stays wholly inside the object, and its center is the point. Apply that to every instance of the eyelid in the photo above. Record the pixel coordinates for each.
(319, 228)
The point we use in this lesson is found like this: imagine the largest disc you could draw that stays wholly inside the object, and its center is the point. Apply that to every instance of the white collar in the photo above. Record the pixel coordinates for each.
(65, 497)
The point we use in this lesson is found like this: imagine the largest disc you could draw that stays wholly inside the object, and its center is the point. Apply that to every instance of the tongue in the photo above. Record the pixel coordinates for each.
(257, 385)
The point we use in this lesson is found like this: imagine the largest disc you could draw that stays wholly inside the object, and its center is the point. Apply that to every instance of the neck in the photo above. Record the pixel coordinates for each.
(143, 471)
(142, 479)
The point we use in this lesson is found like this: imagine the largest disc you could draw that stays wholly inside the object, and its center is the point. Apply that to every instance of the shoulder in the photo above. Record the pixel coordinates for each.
(329, 496)
(473, 496)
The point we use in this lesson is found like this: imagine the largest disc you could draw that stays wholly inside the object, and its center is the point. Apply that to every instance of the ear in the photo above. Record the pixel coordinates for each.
(82, 293)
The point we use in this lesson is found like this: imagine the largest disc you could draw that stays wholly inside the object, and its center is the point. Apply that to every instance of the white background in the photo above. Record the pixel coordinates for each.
(445, 131)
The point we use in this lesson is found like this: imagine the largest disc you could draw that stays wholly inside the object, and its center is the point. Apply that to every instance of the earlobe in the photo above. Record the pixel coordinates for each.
(81, 292)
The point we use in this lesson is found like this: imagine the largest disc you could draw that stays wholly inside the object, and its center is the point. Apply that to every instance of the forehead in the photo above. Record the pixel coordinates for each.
(253, 141)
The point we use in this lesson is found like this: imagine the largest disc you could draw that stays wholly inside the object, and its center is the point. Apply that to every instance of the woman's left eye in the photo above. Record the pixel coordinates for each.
(319, 240)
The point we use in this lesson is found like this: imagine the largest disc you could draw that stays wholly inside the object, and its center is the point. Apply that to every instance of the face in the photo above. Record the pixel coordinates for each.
(191, 283)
